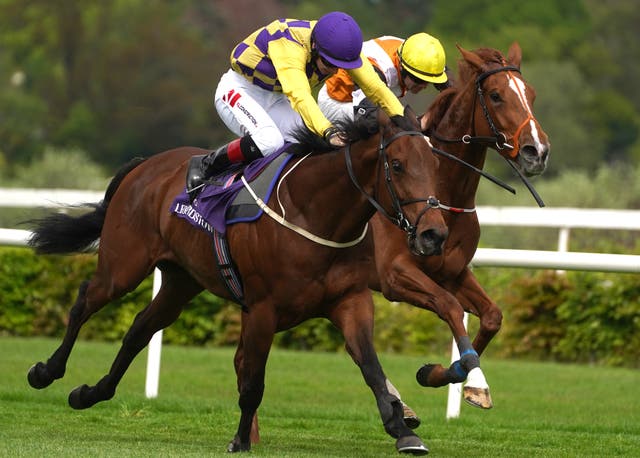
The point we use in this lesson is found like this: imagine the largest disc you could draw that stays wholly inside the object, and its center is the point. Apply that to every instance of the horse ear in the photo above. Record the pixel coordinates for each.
(515, 54)
(471, 57)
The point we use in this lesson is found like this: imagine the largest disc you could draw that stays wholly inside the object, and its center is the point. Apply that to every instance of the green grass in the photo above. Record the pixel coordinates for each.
(315, 404)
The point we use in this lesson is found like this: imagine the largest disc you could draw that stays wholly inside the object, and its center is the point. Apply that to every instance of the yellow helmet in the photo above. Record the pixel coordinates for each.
(423, 56)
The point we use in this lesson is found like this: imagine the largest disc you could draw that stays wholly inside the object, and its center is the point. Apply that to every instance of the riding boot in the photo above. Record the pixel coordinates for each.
(203, 167)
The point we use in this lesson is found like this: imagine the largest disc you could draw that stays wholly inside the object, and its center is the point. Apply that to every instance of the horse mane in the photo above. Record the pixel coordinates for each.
(440, 106)
(352, 130)
(466, 73)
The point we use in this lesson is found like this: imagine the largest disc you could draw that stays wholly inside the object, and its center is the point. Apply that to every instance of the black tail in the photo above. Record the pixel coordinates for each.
(61, 233)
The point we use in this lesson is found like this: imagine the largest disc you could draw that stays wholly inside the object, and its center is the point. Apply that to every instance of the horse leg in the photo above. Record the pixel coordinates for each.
(411, 418)
(354, 317)
(473, 298)
(476, 390)
(403, 280)
(237, 362)
(111, 280)
(177, 289)
(258, 330)
(41, 375)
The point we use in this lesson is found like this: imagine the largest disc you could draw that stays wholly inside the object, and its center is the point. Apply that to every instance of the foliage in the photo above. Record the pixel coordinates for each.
(64, 169)
(129, 78)
(615, 187)
(531, 326)
(402, 328)
(574, 317)
(38, 292)
(117, 78)
(602, 321)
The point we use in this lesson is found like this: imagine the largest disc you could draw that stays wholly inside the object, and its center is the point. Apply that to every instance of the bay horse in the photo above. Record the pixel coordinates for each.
(489, 106)
(287, 277)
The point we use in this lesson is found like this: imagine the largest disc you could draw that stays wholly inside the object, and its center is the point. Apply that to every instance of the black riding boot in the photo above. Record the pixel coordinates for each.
(202, 167)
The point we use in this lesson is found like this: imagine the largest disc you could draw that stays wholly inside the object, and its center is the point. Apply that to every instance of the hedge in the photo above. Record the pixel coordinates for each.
(574, 317)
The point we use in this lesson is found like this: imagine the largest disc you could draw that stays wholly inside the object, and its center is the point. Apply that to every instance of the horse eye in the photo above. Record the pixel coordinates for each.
(495, 97)
(396, 166)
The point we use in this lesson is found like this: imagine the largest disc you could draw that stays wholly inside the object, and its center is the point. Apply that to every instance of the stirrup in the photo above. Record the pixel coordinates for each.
(193, 193)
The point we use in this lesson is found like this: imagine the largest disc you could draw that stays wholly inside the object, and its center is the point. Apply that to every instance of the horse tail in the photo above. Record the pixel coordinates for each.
(62, 233)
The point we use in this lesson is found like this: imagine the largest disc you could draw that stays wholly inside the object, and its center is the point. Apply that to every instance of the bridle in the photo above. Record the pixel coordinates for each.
(499, 139)
(399, 218)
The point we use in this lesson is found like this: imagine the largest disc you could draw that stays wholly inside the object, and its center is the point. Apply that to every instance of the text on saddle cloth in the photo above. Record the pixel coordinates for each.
(216, 207)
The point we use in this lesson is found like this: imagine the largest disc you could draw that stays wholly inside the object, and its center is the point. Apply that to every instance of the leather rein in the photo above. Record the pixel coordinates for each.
(399, 219)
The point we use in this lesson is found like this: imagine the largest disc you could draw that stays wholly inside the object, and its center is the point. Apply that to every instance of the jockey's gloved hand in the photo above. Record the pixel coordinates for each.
(366, 113)
(333, 137)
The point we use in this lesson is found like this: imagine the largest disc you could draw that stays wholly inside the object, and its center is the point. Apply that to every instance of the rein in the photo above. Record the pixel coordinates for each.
(488, 176)
(400, 219)
(303, 232)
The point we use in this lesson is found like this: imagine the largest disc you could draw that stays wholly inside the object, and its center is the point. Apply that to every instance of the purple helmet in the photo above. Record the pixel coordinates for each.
(338, 39)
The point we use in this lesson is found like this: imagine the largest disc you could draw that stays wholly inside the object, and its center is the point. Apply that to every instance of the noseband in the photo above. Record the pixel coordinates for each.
(499, 139)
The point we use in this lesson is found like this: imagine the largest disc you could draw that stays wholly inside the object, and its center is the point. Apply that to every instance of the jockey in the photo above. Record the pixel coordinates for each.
(404, 65)
(267, 92)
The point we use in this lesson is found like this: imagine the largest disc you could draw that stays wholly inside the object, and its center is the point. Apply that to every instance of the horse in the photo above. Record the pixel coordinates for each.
(310, 265)
(489, 105)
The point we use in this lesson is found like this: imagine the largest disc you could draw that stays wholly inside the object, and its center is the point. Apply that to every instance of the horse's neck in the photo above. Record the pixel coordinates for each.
(458, 120)
(322, 198)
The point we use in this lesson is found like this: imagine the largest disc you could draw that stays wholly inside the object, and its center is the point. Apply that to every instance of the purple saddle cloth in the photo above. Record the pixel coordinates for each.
(213, 209)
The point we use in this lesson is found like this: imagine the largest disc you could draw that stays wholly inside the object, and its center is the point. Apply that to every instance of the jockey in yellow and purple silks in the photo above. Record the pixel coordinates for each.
(268, 90)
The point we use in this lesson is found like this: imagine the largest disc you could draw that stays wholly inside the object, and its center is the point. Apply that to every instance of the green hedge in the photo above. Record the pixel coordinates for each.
(38, 291)
(575, 317)
(585, 317)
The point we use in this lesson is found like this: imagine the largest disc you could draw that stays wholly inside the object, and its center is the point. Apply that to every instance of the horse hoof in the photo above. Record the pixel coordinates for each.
(77, 398)
(412, 445)
(477, 397)
(422, 376)
(39, 377)
(236, 446)
(411, 419)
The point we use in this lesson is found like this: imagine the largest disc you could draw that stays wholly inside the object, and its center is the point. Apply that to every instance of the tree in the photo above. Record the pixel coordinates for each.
(116, 79)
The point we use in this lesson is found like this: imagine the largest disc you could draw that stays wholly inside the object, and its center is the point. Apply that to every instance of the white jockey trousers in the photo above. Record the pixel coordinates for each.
(247, 109)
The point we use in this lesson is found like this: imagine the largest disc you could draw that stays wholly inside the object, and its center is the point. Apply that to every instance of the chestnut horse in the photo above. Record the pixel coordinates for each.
(287, 277)
(489, 106)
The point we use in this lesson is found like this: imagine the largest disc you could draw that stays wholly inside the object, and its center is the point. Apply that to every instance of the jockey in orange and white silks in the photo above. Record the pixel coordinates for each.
(268, 90)
(404, 65)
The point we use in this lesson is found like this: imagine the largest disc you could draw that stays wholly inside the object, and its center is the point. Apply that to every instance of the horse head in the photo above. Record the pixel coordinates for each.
(504, 108)
(409, 175)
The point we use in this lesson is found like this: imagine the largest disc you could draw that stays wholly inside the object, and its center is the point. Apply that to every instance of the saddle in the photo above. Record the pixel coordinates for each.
(226, 201)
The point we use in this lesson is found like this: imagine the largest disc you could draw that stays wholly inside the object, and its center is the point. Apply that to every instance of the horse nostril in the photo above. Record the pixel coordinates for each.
(545, 152)
(529, 151)
(532, 153)
(433, 240)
